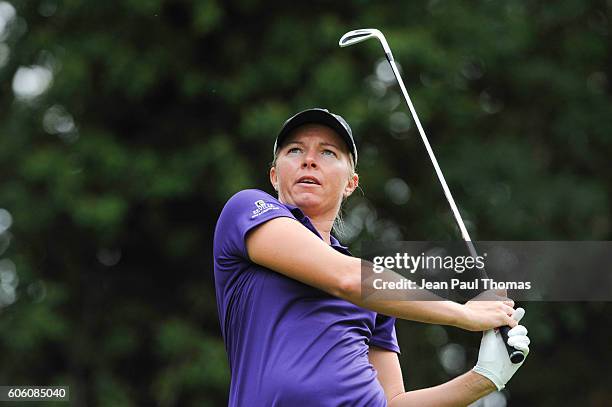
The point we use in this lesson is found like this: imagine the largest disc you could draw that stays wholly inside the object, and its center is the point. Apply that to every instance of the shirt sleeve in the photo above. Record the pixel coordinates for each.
(244, 211)
(383, 335)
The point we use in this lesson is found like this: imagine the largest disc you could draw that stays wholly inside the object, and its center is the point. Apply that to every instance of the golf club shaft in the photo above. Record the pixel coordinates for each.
(516, 356)
(447, 193)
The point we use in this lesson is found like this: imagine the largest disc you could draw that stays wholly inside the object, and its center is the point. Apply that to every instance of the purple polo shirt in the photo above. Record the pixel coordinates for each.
(289, 344)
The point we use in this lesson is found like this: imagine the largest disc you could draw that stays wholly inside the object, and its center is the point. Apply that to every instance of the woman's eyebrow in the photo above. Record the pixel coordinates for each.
(323, 143)
(334, 145)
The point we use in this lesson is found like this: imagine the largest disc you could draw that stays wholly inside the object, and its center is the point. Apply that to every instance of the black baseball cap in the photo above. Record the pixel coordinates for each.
(319, 116)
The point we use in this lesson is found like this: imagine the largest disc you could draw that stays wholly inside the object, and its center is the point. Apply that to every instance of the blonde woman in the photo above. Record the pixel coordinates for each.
(296, 329)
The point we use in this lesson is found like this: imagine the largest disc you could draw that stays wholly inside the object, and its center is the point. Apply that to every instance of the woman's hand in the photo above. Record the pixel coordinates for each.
(487, 311)
(493, 361)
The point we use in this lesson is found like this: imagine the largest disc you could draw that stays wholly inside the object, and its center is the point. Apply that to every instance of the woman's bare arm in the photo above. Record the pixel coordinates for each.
(388, 371)
(459, 391)
(285, 246)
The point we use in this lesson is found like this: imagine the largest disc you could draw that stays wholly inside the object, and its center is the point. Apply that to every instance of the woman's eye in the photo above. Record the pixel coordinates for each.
(294, 150)
(329, 152)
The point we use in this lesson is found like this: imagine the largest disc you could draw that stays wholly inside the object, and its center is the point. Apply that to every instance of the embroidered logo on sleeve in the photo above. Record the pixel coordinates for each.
(263, 207)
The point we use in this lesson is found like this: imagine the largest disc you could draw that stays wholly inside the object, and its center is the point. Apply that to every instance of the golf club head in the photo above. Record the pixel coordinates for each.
(355, 36)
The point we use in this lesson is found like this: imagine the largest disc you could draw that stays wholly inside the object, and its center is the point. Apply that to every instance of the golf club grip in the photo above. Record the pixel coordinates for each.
(516, 356)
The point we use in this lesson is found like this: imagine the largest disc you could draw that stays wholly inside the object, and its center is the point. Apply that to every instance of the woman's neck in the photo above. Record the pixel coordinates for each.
(323, 222)
(323, 226)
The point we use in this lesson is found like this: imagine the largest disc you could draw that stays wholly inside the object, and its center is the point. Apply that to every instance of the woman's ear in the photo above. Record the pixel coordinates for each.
(273, 178)
(351, 185)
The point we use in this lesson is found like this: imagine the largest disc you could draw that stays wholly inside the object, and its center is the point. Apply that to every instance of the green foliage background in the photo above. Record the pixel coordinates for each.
(175, 106)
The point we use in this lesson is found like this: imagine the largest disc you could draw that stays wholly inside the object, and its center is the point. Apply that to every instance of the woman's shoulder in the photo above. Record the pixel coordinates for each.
(242, 212)
(250, 194)
(250, 198)
(251, 203)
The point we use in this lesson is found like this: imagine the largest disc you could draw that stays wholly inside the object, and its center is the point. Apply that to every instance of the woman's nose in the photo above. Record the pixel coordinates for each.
(309, 161)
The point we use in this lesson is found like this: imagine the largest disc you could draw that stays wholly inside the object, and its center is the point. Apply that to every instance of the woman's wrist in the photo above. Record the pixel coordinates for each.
(479, 384)
(459, 315)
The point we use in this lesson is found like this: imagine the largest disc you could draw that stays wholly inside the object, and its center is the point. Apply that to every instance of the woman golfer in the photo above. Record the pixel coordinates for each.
(296, 329)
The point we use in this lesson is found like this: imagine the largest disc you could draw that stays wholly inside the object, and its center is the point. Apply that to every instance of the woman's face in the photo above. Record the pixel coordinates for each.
(313, 170)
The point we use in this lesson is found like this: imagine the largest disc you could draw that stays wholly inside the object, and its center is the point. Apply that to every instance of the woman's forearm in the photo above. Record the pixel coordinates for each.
(419, 304)
(439, 312)
(415, 305)
(460, 391)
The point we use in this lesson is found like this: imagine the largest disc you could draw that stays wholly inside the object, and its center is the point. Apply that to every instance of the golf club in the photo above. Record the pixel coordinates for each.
(356, 36)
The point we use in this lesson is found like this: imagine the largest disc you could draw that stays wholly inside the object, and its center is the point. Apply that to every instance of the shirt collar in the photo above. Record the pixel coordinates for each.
(297, 212)
(336, 243)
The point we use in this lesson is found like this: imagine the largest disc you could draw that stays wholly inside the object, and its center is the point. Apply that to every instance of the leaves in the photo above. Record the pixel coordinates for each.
(159, 111)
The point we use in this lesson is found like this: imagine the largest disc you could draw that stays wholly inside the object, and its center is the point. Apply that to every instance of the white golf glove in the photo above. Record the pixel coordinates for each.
(493, 360)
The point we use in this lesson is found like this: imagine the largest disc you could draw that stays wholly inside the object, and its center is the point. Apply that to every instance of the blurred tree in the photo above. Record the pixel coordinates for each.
(125, 126)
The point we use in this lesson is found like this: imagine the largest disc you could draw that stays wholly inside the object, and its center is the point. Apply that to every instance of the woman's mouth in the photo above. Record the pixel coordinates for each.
(308, 180)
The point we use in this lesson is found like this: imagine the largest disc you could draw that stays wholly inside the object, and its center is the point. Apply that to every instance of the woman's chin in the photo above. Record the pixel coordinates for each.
(307, 200)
